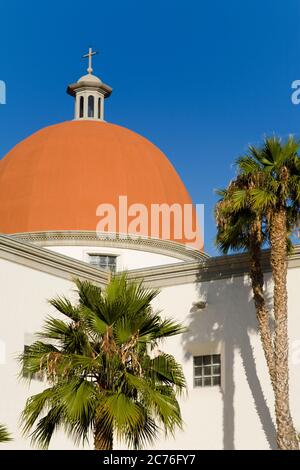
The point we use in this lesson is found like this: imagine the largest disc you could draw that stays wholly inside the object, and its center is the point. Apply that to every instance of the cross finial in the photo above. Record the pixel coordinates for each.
(89, 55)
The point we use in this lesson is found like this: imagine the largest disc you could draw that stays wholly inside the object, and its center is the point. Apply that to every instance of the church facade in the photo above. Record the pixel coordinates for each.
(62, 196)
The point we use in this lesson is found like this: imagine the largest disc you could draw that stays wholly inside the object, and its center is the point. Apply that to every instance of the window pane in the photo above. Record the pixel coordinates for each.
(198, 382)
(198, 360)
(94, 260)
(198, 371)
(207, 370)
(216, 358)
(217, 370)
(207, 381)
(206, 360)
(217, 380)
(112, 263)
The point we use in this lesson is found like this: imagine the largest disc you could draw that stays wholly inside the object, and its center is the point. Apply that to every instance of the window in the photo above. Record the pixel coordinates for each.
(207, 370)
(38, 375)
(90, 106)
(81, 107)
(108, 262)
(99, 108)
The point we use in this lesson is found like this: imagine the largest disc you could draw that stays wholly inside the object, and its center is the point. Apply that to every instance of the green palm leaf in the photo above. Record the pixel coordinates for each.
(102, 379)
(262, 207)
(4, 434)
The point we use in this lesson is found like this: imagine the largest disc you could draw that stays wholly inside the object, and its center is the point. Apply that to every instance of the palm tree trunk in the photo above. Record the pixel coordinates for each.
(103, 439)
(262, 314)
(286, 435)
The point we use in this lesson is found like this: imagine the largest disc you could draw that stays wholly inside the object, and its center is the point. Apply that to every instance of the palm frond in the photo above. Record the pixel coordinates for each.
(247, 164)
(64, 306)
(4, 434)
(262, 198)
(96, 360)
(166, 370)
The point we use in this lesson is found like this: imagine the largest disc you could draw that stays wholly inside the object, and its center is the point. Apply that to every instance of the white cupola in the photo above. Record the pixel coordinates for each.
(90, 93)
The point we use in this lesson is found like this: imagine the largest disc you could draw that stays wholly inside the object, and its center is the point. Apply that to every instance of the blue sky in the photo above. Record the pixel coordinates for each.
(200, 79)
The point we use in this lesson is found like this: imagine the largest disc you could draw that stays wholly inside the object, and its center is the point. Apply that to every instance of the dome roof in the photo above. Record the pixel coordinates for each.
(56, 178)
(89, 78)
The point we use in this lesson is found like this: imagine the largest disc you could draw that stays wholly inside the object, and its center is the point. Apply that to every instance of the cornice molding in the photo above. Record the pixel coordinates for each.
(216, 268)
(92, 238)
(104, 89)
(48, 261)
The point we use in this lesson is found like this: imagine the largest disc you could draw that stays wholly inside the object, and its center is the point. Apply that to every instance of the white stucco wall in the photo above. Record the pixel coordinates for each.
(237, 415)
(240, 415)
(23, 307)
(126, 259)
(223, 417)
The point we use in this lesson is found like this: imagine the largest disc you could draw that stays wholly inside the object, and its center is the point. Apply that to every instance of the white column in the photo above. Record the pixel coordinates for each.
(102, 108)
(85, 105)
(77, 107)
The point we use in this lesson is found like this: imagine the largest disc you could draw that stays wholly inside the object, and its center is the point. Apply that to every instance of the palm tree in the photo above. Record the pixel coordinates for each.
(263, 204)
(4, 434)
(240, 228)
(106, 375)
(278, 196)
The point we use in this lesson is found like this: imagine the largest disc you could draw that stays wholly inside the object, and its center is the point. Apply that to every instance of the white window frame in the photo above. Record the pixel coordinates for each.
(100, 253)
(203, 371)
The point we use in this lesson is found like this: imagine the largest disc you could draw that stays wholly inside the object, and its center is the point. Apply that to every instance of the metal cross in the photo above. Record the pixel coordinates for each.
(89, 55)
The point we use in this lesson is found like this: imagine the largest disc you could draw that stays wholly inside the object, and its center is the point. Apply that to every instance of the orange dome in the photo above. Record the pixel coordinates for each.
(56, 178)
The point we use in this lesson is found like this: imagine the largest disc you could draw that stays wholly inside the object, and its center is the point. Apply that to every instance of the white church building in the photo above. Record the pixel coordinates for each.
(54, 187)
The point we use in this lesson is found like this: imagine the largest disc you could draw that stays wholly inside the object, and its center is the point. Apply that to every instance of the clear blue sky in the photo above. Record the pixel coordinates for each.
(200, 79)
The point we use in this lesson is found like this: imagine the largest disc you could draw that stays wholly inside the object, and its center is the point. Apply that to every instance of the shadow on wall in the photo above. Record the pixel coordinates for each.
(227, 320)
